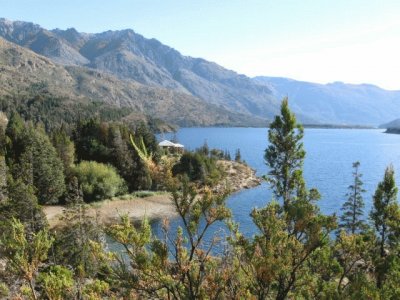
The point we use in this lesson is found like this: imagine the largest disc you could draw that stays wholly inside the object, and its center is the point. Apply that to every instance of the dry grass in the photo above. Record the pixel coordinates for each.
(108, 211)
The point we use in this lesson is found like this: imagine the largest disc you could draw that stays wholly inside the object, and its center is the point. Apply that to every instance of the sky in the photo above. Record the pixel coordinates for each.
(311, 40)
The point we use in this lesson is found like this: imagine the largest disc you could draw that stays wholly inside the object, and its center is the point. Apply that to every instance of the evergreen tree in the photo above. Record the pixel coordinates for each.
(238, 156)
(285, 155)
(91, 141)
(123, 158)
(65, 147)
(351, 219)
(78, 230)
(14, 138)
(45, 166)
(278, 262)
(22, 204)
(385, 216)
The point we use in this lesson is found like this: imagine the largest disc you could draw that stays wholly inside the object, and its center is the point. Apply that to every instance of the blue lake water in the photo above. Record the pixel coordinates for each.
(328, 163)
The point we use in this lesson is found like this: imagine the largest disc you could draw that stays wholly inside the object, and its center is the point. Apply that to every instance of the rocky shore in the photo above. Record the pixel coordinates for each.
(239, 176)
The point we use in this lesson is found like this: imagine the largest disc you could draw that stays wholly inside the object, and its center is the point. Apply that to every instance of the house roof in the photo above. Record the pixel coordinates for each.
(166, 143)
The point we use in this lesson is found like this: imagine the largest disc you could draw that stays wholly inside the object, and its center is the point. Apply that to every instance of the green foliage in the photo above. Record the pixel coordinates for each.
(98, 181)
(285, 154)
(96, 290)
(24, 256)
(291, 256)
(192, 272)
(385, 216)
(53, 111)
(22, 204)
(32, 158)
(198, 167)
(65, 147)
(57, 283)
(111, 143)
(76, 233)
(278, 259)
(42, 166)
(352, 218)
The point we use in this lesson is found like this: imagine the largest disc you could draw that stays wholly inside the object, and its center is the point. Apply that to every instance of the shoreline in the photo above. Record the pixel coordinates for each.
(159, 206)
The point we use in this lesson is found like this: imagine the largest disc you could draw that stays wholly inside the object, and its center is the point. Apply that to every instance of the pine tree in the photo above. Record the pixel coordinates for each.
(238, 156)
(14, 138)
(351, 219)
(278, 261)
(47, 170)
(65, 147)
(285, 155)
(22, 204)
(385, 216)
(78, 230)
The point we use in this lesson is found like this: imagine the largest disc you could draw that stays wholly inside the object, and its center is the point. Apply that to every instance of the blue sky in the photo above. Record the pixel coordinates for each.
(318, 40)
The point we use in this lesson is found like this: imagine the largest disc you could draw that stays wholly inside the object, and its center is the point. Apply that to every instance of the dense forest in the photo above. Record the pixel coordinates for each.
(297, 252)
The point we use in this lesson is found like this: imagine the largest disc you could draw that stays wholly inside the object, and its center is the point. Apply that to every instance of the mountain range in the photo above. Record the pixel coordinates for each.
(337, 103)
(125, 69)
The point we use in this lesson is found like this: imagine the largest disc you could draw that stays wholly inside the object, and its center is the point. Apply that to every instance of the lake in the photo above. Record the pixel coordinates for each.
(330, 154)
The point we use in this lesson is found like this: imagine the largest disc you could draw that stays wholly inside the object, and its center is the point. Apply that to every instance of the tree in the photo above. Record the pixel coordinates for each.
(238, 156)
(78, 230)
(98, 181)
(351, 219)
(385, 216)
(65, 147)
(285, 155)
(278, 260)
(24, 256)
(22, 204)
(190, 272)
(123, 158)
(57, 283)
(14, 132)
(40, 160)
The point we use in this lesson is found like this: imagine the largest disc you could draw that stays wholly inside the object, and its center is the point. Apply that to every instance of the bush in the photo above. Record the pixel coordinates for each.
(98, 181)
(198, 167)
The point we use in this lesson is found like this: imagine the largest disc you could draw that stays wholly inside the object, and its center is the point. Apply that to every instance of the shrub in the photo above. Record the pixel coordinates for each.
(98, 181)
(198, 167)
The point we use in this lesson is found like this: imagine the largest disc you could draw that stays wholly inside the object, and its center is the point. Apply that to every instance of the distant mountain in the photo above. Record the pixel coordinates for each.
(126, 69)
(129, 55)
(395, 124)
(22, 69)
(336, 103)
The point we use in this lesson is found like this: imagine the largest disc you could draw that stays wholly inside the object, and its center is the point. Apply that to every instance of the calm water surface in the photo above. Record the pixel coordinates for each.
(328, 164)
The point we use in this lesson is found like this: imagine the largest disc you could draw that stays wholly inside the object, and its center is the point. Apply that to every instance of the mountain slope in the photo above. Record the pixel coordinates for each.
(22, 69)
(392, 124)
(337, 103)
(129, 55)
